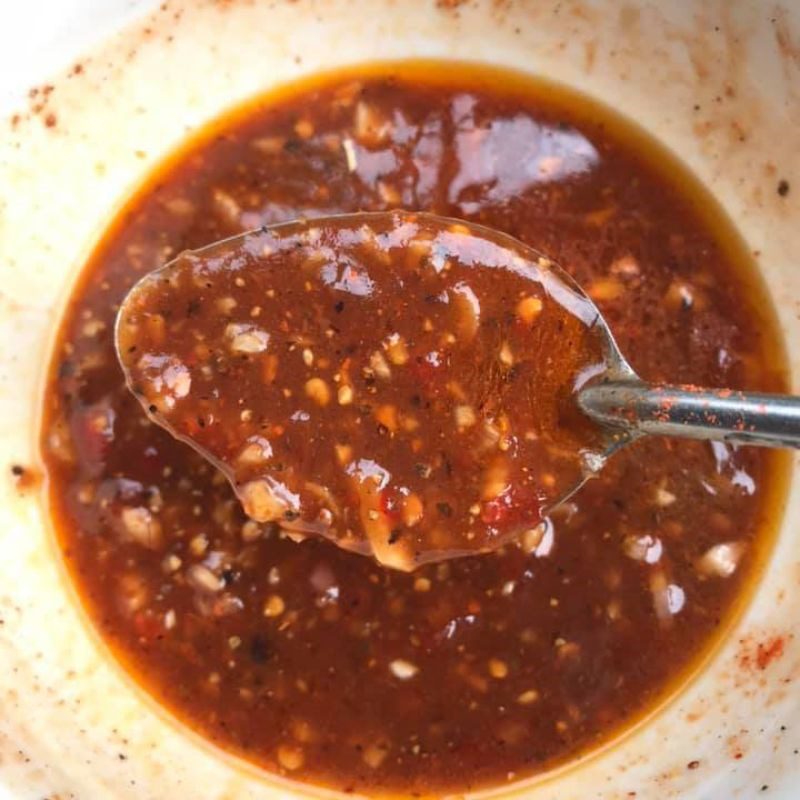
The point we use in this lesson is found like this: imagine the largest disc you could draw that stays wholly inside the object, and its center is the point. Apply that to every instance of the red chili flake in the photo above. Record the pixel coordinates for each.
(495, 511)
(147, 625)
(667, 403)
(762, 654)
(390, 503)
(769, 651)
(519, 505)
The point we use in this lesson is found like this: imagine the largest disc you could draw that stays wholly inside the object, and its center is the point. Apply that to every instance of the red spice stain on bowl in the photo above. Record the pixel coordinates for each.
(769, 651)
(39, 106)
(757, 655)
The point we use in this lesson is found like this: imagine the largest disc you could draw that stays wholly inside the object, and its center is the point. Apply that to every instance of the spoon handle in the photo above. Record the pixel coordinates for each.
(770, 420)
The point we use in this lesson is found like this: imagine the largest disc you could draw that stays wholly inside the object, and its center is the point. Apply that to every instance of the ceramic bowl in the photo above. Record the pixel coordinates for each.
(718, 81)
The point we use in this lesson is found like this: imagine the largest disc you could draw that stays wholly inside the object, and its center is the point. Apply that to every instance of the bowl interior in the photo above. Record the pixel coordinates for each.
(723, 96)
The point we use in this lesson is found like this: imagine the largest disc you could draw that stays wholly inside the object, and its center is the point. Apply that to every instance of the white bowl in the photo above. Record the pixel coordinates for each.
(718, 82)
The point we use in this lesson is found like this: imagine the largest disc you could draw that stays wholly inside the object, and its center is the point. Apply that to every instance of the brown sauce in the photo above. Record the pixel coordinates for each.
(317, 663)
(400, 384)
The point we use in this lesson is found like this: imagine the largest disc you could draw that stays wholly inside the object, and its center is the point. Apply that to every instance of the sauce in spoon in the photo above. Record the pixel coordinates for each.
(401, 384)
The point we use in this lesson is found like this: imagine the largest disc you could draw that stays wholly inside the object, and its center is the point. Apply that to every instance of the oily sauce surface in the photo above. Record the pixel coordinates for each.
(317, 663)
(400, 384)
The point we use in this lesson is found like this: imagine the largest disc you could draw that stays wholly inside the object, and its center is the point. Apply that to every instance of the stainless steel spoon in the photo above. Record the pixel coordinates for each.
(623, 405)
(625, 402)
(630, 407)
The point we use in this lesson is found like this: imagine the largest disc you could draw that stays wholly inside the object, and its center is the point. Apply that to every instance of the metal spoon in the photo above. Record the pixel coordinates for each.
(624, 407)
(630, 407)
